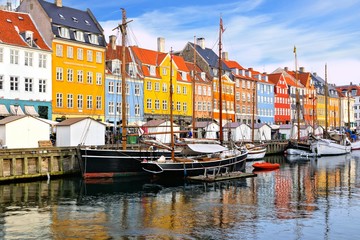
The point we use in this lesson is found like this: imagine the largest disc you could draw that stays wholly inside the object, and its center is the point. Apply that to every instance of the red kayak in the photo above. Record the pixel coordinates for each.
(265, 165)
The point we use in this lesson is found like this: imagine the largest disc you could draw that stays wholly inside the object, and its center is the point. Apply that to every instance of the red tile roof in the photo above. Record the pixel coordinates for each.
(232, 64)
(12, 24)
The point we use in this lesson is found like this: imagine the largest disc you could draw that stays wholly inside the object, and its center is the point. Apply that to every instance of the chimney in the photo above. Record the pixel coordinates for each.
(201, 42)
(58, 3)
(286, 69)
(350, 83)
(112, 40)
(302, 69)
(315, 74)
(225, 56)
(161, 44)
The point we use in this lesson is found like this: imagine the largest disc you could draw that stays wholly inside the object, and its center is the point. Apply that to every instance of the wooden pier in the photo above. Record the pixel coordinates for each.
(33, 163)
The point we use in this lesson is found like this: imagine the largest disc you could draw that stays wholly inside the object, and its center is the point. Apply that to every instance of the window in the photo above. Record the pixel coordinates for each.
(28, 85)
(157, 86)
(209, 91)
(164, 87)
(89, 102)
(119, 108)
(14, 83)
(28, 59)
(152, 70)
(98, 102)
(80, 101)
(59, 100)
(157, 104)
(184, 90)
(199, 105)
(14, 56)
(185, 106)
(148, 104)
(98, 57)
(183, 75)
(80, 54)
(164, 71)
(64, 32)
(89, 78)
(137, 90)
(148, 85)
(79, 36)
(98, 79)
(199, 90)
(42, 85)
(70, 101)
(118, 87)
(164, 105)
(70, 52)
(137, 110)
(59, 50)
(70, 75)
(111, 87)
(93, 39)
(42, 61)
(178, 89)
(111, 107)
(89, 56)
(80, 76)
(59, 73)
(1, 55)
(178, 106)
(127, 89)
(1, 82)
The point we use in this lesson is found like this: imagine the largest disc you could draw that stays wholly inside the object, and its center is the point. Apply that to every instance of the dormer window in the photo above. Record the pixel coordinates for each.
(64, 32)
(61, 16)
(202, 74)
(29, 37)
(20, 18)
(87, 22)
(79, 36)
(75, 19)
(183, 75)
(152, 70)
(93, 39)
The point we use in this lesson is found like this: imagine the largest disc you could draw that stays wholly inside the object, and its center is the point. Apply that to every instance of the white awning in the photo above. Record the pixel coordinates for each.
(30, 110)
(16, 110)
(3, 110)
(202, 148)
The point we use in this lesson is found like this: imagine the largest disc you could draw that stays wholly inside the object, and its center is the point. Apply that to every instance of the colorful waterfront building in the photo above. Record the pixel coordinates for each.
(78, 60)
(208, 61)
(113, 86)
(349, 110)
(265, 97)
(25, 67)
(158, 74)
(245, 93)
(281, 98)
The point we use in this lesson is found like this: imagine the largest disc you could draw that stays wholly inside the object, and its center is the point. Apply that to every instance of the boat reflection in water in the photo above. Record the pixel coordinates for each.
(317, 199)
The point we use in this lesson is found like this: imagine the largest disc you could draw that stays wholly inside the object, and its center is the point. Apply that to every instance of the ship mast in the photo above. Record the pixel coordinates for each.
(326, 102)
(122, 28)
(193, 89)
(297, 97)
(171, 107)
(220, 82)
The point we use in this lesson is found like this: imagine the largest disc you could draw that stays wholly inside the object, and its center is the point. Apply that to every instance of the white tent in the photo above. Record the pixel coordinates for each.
(160, 129)
(238, 131)
(262, 132)
(206, 129)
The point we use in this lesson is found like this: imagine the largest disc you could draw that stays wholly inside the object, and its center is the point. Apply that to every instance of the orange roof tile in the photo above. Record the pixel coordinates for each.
(12, 24)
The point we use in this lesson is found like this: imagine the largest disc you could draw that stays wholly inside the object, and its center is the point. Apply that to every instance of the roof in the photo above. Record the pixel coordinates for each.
(233, 64)
(154, 123)
(71, 121)
(274, 77)
(12, 30)
(233, 124)
(73, 19)
(203, 124)
(10, 119)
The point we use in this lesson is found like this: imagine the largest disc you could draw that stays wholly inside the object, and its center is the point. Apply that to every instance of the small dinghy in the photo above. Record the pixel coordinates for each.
(265, 166)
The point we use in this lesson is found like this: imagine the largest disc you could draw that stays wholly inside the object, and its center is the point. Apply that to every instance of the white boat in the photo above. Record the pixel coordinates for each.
(255, 152)
(355, 145)
(327, 147)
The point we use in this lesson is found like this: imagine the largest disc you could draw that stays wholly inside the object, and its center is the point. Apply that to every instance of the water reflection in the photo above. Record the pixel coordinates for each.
(316, 199)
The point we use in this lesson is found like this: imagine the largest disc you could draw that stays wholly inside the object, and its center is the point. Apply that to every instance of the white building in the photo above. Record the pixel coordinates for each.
(80, 131)
(25, 67)
(23, 132)
(238, 131)
(160, 129)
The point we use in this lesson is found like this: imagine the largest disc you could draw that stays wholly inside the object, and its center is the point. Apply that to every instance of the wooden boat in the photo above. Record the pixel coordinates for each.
(255, 151)
(265, 166)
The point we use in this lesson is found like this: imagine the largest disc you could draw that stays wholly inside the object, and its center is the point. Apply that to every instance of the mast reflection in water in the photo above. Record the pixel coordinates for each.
(308, 199)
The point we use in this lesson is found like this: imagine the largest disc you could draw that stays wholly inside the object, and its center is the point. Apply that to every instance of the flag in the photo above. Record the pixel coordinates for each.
(222, 29)
(294, 49)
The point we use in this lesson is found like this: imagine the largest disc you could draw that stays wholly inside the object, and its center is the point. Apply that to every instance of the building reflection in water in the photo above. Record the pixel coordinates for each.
(72, 208)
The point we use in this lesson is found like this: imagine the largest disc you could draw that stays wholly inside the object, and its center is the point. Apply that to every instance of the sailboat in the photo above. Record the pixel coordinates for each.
(215, 157)
(100, 162)
(325, 146)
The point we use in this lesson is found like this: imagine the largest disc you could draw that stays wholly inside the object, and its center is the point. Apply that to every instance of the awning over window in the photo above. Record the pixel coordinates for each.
(3, 110)
(16, 110)
(30, 110)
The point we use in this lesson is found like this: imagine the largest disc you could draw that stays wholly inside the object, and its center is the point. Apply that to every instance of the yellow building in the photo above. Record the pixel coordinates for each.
(78, 59)
(156, 69)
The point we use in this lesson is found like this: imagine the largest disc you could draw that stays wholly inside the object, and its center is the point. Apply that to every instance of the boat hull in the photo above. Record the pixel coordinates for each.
(255, 154)
(355, 145)
(266, 166)
(184, 169)
(324, 147)
(108, 163)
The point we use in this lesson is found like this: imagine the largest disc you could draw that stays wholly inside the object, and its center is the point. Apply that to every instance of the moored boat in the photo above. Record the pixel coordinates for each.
(328, 147)
(255, 152)
(265, 166)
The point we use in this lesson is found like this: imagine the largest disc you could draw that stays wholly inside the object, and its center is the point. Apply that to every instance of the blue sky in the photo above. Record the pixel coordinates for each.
(259, 33)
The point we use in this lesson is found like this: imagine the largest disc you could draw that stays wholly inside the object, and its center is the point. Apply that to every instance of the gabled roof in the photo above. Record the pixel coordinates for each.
(233, 64)
(71, 121)
(116, 53)
(210, 57)
(11, 119)
(12, 30)
(74, 19)
(154, 123)
(234, 124)
(274, 77)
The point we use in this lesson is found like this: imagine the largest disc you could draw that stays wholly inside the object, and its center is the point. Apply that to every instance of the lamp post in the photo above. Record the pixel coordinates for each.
(16, 107)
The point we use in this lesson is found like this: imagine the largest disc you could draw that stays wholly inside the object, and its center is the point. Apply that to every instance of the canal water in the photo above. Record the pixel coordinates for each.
(304, 199)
